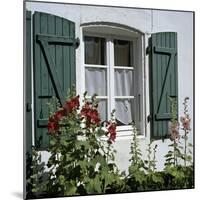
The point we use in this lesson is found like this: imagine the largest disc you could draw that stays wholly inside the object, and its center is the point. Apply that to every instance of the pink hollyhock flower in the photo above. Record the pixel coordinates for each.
(186, 123)
(174, 132)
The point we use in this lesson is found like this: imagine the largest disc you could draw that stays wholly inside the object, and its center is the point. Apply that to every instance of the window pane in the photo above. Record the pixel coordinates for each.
(95, 50)
(95, 81)
(124, 82)
(102, 108)
(124, 111)
(122, 53)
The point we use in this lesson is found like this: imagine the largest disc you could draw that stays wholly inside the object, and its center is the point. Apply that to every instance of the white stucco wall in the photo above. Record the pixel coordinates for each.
(147, 21)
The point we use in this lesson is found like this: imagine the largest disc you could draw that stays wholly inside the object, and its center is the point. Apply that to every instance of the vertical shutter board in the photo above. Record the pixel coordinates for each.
(44, 80)
(163, 67)
(44, 71)
(159, 80)
(51, 31)
(66, 61)
(28, 85)
(37, 72)
(59, 49)
(170, 83)
(51, 62)
(72, 57)
(28, 104)
(164, 80)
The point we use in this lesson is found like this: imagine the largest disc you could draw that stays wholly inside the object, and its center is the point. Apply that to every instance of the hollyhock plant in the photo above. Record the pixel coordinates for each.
(179, 136)
(185, 121)
(76, 132)
(88, 114)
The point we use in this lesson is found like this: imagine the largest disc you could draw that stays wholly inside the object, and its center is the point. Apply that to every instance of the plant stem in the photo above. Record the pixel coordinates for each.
(175, 154)
(185, 149)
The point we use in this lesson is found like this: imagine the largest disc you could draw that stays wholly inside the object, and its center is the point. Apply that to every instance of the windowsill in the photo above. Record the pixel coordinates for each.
(124, 132)
(124, 128)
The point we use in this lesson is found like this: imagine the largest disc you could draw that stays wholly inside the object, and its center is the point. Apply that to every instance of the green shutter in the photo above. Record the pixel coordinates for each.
(54, 67)
(28, 101)
(163, 80)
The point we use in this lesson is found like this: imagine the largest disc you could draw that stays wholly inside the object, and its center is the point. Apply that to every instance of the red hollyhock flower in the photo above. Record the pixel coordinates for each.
(112, 137)
(59, 114)
(67, 108)
(52, 127)
(71, 105)
(53, 124)
(112, 131)
(94, 115)
(90, 114)
(88, 122)
(84, 111)
(74, 103)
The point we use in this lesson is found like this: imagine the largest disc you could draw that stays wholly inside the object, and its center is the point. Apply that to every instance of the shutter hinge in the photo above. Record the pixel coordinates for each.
(77, 42)
(28, 107)
(149, 118)
(148, 49)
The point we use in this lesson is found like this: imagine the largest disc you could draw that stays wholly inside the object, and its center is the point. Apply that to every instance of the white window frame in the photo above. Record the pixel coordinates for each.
(126, 130)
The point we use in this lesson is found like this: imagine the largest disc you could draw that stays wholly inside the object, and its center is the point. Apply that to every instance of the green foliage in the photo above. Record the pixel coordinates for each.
(38, 180)
(178, 152)
(178, 177)
(175, 175)
(174, 152)
(135, 150)
(151, 162)
(82, 157)
(80, 162)
(142, 173)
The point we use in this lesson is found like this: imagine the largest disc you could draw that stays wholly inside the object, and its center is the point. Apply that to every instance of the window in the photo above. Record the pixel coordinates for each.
(110, 66)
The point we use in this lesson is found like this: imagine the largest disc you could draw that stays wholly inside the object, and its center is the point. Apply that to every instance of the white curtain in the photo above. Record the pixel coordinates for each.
(102, 108)
(95, 79)
(123, 82)
(124, 111)
(124, 87)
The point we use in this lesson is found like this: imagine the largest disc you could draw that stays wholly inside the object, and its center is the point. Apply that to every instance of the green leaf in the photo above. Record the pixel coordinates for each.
(52, 142)
(190, 145)
(157, 178)
(93, 186)
(70, 189)
(188, 158)
(61, 180)
(97, 184)
(108, 178)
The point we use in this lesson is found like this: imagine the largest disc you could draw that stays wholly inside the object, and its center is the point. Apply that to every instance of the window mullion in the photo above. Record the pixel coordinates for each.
(111, 75)
(108, 75)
